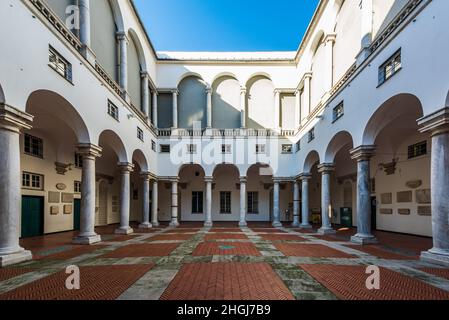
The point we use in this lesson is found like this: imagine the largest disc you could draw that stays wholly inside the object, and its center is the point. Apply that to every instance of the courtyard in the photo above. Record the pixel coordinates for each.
(225, 262)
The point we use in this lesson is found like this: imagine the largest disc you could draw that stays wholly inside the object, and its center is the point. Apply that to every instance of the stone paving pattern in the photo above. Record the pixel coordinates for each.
(225, 263)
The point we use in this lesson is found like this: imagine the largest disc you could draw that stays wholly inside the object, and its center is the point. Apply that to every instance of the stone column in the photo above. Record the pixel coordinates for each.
(367, 30)
(297, 109)
(243, 107)
(326, 207)
(145, 94)
(208, 222)
(364, 234)
(84, 12)
(276, 210)
(154, 210)
(126, 169)
(155, 108)
(12, 121)
(277, 109)
(329, 40)
(305, 177)
(87, 233)
(123, 60)
(306, 93)
(296, 220)
(146, 201)
(174, 203)
(243, 203)
(437, 124)
(175, 109)
(209, 107)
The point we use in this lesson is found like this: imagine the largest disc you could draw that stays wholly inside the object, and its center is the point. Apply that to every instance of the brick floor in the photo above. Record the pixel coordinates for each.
(405, 243)
(310, 250)
(225, 236)
(330, 238)
(96, 283)
(442, 273)
(349, 283)
(381, 253)
(152, 230)
(9, 273)
(72, 252)
(184, 230)
(168, 237)
(226, 248)
(227, 281)
(142, 250)
(282, 237)
(266, 230)
(305, 231)
(121, 238)
(225, 230)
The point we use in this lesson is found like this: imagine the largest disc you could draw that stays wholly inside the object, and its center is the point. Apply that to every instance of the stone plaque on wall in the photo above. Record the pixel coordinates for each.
(54, 197)
(68, 209)
(405, 196)
(54, 210)
(386, 198)
(386, 211)
(425, 210)
(423, 196)
(67, 197)
(404, 212)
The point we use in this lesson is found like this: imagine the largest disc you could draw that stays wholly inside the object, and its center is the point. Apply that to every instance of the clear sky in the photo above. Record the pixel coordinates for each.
(226, 25)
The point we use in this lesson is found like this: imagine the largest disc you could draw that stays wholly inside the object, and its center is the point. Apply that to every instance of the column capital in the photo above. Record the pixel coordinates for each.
(175, 91)
(243, 90)
(243, 179)
(89, 150)
(208, 90)
(13, 119)
(209, 179)
(146, 175)
(154, 92)
(330, 37)
(307, 76)
(121, 36)
(126, 167)
(305, 176)
(144, 75)
(436, 123)
(277, 91)
(326, 168)
(174, 179)
(362, 153)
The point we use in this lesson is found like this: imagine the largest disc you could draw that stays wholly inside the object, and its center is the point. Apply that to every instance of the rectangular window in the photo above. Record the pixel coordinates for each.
(33, 146)
(153, 145)
(253, 202)
(59, 64)
(77, 186)
(140, 134)
(226, 149)
(32, 181)
(113, 110)
(338, 112)
(417, 150)
(260, 148)
(298, 146)
(165, 148)
(225, 202)
(390, 67)
(287, 148)
(311, 135)
(191, 148)
(197, 202)
(78, 160)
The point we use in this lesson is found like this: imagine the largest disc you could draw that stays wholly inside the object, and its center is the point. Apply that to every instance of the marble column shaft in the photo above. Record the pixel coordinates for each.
(126, 169)
(243, 202)
(305, 201)
(296, 218)
(174, 204)
(154, 210)
(208, 222)
(276, 209)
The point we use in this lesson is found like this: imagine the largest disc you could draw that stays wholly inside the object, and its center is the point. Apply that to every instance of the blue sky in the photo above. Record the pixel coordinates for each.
(226, 25)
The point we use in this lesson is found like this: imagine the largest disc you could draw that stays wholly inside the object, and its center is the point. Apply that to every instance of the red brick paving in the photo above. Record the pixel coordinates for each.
(305, 231)
(381, 253)
(310, 250)
(282, 237)
(442, 273)
(142, 250)
(227, 281)
(121, 238)
(96, 283)
(218, 248)
(75, 251)
(168, 237)
(153, 230)
(265, 230)
(225, 230)
(406, 243)
(349, 283)
(9, 273)
(329, 238)
(184, 230)
(225, 236)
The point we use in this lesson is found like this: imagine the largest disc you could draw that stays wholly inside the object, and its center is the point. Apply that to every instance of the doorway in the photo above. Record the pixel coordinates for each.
(32, 216)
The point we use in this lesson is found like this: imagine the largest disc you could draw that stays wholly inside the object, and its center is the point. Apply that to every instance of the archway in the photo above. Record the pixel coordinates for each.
(192, 104)
(192, 194)
(260, 103)
(225, 193)
(226, 109)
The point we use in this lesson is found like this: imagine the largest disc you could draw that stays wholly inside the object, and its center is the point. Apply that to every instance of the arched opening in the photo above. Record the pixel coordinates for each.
(311, 167)
(136, 64)
(225, 193)
(51, 171)
(226, 109)
(318, 67)
(192, 102)
(260, 103)
(400, 169)
(192, 193)
(140, 166)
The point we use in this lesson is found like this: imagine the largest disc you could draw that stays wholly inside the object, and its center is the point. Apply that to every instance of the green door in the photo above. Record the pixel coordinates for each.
(76, 214)
(32, 216)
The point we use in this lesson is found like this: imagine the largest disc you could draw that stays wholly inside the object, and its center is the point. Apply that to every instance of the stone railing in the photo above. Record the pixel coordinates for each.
(225, 133)
(108, 79)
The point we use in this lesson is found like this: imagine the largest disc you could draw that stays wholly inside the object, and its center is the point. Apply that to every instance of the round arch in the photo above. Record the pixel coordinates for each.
(196, 166)
(226, 102)
(118, 16)
(141, 160)
(257, 75)
(339, 141)
(312, 158)
(260, 102)
(111, 139)
(190, 74)
(223, 166)
(317, 39)
(223, 75)
(192, 102)
(52, 108)
(140, 52)
(264, 169)
(404, 106)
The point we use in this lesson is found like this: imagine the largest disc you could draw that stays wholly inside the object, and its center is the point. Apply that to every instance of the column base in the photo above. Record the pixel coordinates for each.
(145, 225)
(305, 226)
(326, 231)
(364, 239)
(243, 224)
(155, 224)
(124, 231)
(208, 224)
(174, 224)
(436, 256)
(295, 224)
(15, 258)
(88, 240)
(277, 224)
